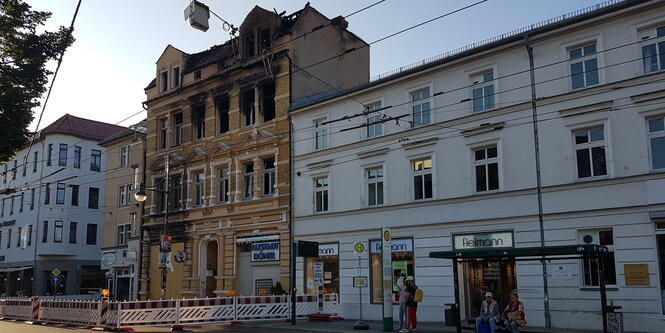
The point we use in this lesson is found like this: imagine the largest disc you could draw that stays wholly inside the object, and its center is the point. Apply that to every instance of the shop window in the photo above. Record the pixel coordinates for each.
(591, 267)
(329, 257)
(402, 266)
(660, 243)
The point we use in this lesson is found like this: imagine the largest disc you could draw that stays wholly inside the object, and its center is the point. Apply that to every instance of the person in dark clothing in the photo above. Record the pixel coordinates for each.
(411, 306)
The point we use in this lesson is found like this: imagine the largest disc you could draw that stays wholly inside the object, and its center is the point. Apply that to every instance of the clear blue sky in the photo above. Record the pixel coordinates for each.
(118, 42)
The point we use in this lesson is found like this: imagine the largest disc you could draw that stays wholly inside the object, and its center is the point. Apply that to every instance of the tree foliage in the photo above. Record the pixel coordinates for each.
(24, 53)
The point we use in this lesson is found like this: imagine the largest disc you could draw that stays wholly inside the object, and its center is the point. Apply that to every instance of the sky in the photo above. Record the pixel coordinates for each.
(118, 42)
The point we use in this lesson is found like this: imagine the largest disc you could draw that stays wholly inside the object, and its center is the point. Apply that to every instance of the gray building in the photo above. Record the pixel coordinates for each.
(51, 210)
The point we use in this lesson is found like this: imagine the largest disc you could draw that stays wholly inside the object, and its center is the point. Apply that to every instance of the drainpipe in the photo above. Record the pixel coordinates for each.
(536, 145)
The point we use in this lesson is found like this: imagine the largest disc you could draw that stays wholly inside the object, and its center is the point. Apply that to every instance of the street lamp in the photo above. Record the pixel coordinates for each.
(164, 238)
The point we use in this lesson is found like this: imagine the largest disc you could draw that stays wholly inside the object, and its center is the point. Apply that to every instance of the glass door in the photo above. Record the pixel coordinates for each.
(481, 277)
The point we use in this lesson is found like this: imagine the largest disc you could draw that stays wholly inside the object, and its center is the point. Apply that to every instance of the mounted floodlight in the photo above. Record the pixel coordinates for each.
(223, 145)
(200, 151)
(198, 14)
(176, 157)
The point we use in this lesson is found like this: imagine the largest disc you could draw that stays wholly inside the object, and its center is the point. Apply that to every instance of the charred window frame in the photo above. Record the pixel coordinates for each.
(177, 129)
(247, 102)
(222, 103)
(198, 119)
(268, 100)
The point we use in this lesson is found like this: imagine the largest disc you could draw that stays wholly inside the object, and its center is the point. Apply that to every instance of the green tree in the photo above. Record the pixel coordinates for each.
(23, 75)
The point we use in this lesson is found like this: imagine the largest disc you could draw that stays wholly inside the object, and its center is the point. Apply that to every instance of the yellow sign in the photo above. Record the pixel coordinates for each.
(359, 281)
(386, 235)
(105, 292)
(636, 274)
(56, 272)
(359, 247)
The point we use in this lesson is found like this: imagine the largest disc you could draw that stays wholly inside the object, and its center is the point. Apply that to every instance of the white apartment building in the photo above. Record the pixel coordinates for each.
(445, 150)
(51, 210)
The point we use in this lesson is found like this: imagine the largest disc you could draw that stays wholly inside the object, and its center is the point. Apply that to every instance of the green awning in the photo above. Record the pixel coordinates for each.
(540, 251)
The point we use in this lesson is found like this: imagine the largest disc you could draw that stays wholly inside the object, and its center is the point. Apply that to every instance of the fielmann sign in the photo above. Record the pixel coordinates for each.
(480, 241)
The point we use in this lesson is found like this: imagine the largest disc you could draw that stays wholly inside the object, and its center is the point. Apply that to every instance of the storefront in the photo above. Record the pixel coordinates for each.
(258, 264)
(480, 277)
(402, 266)
(329, 258)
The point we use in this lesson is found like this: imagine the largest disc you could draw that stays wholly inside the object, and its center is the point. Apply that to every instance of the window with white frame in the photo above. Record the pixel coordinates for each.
(420, 107)
(657, 142)
(124, 232)
(653, 49)
(269, 184)
(57, 232)
(374, 179)
(163, 80)
(320, 134)
(60, 194)
(321, 197)
(486, 164)
(123, 194)
(77, 157)
(124, 156)
(591, 266)
(175, 76)
(198, 189)
(583, 66)
(483, 91)
(422, 178)
(95, 160)
(223, 185)
(590, 152)
(374, 124)
(249, 181)
(62, 155)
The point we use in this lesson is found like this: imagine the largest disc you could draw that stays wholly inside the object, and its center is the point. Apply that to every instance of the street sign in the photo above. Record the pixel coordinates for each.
(359, 248)
(56, 272)
(55, 280)
(359, 281)
(318, 269)
(318, 280)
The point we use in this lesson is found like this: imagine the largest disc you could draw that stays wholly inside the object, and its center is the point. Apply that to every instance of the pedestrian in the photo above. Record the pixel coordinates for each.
(403, 296)
(411, 306)
(489, 313)
(514, 313)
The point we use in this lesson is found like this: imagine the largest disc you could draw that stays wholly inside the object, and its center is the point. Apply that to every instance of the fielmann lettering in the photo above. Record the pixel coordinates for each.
(487, 242)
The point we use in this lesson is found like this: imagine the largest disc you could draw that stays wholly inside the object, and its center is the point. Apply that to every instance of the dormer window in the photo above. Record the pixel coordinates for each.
(175, 76)
(163, 80)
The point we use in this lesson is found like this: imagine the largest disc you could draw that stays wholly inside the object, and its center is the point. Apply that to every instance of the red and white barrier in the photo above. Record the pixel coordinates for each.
(107, 314)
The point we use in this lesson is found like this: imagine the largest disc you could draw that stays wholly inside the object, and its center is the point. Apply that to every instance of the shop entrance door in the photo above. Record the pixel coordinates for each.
(481, 277)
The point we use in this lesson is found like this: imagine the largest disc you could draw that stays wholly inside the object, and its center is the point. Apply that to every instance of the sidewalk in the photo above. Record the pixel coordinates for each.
(347, 326)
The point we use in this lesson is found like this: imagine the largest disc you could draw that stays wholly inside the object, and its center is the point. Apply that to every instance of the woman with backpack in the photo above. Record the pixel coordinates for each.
(411, 306)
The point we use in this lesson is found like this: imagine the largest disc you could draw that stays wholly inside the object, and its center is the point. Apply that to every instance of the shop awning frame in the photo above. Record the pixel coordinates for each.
(540, 253)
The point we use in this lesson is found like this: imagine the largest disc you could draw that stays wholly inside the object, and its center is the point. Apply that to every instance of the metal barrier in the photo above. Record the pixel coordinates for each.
(102, 313)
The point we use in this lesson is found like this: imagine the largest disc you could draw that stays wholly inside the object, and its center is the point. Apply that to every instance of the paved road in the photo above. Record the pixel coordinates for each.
(21, 327)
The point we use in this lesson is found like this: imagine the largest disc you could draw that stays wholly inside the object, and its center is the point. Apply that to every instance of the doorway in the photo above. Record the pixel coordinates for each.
(481, 277)
(208, 268)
